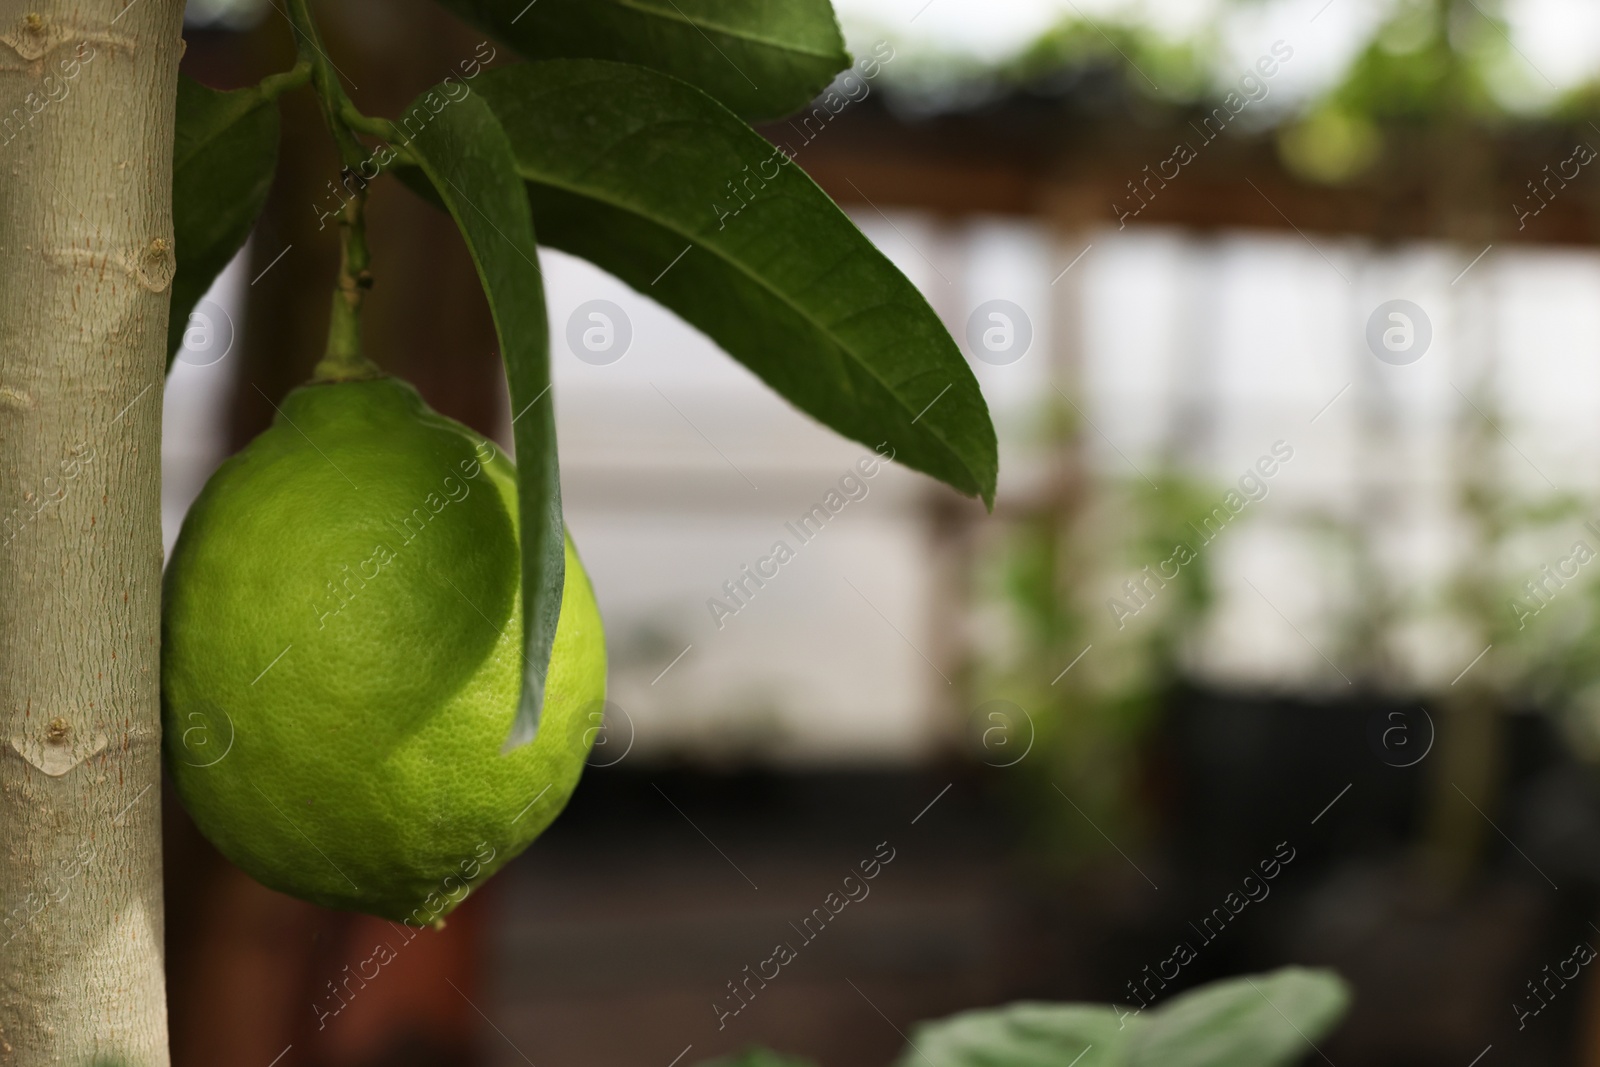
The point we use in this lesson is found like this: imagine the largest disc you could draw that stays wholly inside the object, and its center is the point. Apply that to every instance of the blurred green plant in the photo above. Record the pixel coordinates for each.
(1143, 58)
(1429, 66)
(1107, 64)
(1090, 678)
(1541, 609)
(1266, 1020)
(1430, 63)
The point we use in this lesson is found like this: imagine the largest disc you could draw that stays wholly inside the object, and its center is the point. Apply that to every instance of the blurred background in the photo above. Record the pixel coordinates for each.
(1286, 313)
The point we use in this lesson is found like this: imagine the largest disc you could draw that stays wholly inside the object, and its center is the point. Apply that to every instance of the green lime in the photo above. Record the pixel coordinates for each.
(342, 658)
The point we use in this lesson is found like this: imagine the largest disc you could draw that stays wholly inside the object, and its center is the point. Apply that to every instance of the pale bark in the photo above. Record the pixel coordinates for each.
(85, 267)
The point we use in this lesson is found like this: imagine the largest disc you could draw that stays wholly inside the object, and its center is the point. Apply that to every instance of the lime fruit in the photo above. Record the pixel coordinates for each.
(342, 658)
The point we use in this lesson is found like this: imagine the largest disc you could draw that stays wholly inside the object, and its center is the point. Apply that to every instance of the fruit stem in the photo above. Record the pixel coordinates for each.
(343, 359)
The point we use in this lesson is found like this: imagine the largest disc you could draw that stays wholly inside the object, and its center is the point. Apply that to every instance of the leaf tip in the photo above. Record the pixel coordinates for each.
(525, 727)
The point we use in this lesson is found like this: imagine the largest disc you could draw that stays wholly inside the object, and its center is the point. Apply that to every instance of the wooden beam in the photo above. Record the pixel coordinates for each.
(1018, 162)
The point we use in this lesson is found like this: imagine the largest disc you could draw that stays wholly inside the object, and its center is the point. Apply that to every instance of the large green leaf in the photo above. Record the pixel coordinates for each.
(468, 159)
(633, 170)
(1268, 1020)
(762, 58)
(224, 154)
(1257, 1021)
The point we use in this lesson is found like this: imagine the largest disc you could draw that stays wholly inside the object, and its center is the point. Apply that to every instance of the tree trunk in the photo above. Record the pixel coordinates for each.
(86, 261)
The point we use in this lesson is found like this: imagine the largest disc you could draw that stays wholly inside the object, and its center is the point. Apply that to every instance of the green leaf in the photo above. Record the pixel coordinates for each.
(1267, 1020)
(1021, 1035)
(467, 158)
(633, 170)
(224, 154)
(1263, 1020)
(762, 58)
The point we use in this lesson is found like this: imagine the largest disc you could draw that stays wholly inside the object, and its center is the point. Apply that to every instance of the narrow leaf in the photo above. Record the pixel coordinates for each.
(224, 154)
(1264, 1020)
(657, 183)
(762, 58)
(1022, 1035)
(467, 158)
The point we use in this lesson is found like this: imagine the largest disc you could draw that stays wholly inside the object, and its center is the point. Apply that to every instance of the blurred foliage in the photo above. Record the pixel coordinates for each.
(1426, 60)
(1541, 609)
(1445, 76)
(1264, 1020)
(1109, 66)
(1090, 678)
(1523, 580)
(1177, 71)
(1431, 61)
(1330, 145)
(1438, 79)
(1431, 64)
